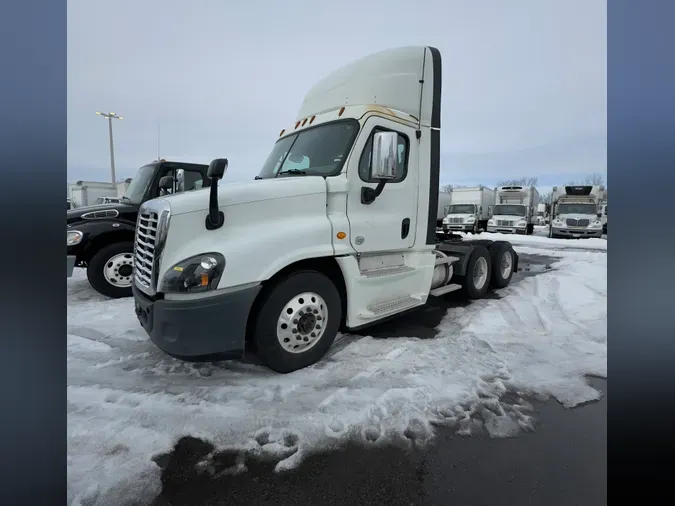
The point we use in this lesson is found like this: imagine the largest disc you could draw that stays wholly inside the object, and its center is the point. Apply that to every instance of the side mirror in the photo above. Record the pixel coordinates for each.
(180, 180)
(166, 183)
(217, 168)
(384, 164)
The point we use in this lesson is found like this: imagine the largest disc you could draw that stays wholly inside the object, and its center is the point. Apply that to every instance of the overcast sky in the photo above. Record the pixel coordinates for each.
(524, 81)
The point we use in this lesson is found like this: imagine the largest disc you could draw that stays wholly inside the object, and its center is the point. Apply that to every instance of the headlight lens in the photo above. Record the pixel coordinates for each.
(470, 219)
(73, 237)
(199, 273)
(522, 223)
(491, 222)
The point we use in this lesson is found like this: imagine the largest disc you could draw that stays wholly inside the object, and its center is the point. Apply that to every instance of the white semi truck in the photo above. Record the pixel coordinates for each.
(444, 200)
(515, 210)
(344, 242)
(603, 219)
(575, 211)
(542, 215)
(469, 209)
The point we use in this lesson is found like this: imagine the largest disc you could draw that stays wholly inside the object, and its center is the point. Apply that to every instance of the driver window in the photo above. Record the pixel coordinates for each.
(366, 155)
(183, 180)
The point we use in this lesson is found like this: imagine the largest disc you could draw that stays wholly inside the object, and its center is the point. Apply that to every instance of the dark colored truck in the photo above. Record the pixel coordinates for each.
(100, 238)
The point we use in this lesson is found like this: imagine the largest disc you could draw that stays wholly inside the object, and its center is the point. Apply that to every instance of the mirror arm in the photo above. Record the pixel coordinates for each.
(368, 195)
(216, 218)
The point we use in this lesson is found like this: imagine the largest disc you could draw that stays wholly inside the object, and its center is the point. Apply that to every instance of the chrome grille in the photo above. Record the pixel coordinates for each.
(505, 223)
(456, 220)
(151, 230)
(144, 247)
(571, 222)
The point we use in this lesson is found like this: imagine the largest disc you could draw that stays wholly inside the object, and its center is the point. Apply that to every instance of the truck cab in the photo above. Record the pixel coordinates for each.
(515, 210)
(575, 211)
(337, 231)
(100, 238)
(469, 210)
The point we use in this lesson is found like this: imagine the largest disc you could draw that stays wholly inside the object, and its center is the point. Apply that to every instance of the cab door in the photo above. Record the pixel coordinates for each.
(388, 223)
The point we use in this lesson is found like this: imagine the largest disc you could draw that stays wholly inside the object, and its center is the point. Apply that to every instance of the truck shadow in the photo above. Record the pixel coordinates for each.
(422, 322)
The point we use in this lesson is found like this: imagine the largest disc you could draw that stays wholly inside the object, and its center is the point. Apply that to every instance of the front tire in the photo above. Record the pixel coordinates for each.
(297, 321)
(110, 270)
(476, 282)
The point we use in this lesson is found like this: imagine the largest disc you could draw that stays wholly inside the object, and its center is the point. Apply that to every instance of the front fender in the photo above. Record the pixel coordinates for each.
(98, 233)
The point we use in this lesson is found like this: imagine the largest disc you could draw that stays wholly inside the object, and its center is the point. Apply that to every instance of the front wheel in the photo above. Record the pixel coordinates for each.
(503, 263)
(297, 321)
(110, 270)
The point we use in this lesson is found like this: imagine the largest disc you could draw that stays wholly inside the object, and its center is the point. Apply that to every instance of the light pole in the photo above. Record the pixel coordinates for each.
(111, 116)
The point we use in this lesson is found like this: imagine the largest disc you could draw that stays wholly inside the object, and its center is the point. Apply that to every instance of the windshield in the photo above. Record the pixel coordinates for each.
(136, 190)
(460, 209)
(319, 151)
(509, 210)
(577, 209)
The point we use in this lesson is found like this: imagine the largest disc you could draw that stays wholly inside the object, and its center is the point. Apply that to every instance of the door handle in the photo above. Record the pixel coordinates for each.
(405, 228)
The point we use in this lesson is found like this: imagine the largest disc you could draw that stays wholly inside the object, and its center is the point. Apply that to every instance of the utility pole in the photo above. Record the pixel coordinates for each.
(111, 116)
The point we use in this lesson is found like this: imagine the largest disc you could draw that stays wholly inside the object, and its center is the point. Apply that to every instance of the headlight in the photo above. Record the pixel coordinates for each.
(199, 273)
(470, 219)
(73, 237)
(446, 221)
(557, 221)
(491, 222)
(596, 224)
(522, 223)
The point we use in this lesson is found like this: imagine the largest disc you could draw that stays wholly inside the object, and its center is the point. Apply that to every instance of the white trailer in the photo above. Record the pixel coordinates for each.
(469, 209)
(86, 193)
(515, 210)
(575, 211)
(342, 243)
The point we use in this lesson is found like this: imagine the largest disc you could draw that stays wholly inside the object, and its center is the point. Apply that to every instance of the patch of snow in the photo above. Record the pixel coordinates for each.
(128, 401)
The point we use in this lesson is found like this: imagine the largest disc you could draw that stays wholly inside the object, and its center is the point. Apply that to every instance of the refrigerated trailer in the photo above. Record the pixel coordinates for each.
(344, 242)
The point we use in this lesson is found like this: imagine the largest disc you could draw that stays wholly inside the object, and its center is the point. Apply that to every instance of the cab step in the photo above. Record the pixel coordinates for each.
(442, 290)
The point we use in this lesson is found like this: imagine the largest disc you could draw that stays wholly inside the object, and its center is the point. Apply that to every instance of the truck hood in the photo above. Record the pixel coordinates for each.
(463, 216)
(508, 217)
(76, 214)
(574, 216)
(232, 194)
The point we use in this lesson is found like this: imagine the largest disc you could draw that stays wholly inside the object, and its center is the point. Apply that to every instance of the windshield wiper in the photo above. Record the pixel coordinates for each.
(292, 171)
(126, 199)
(258, 177)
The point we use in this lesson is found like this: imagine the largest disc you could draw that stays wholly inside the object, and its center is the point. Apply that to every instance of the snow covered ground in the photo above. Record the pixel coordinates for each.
(127, 401)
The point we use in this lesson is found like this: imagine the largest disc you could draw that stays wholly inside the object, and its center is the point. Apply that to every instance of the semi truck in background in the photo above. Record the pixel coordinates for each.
(342, 243)
(575, 211)
(469, 209)
(515, 210)
(542, 214)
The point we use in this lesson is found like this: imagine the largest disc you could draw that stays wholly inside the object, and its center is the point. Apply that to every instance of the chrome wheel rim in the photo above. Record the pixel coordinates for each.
(302, 322)
(118, 270)
(480, 273)
(506, 264)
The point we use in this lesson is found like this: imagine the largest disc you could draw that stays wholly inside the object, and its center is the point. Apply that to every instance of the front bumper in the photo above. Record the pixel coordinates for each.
(576, 233)
(196, 328)
(70, 264)
(458, 227)
(507, 230)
